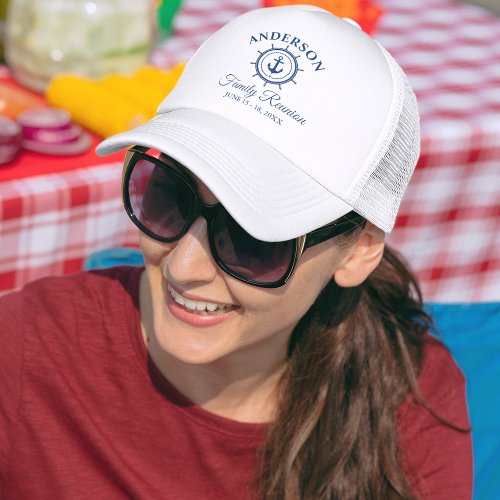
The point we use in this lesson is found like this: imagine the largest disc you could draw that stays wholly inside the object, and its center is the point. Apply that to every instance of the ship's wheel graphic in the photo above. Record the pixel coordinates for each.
(277, 66)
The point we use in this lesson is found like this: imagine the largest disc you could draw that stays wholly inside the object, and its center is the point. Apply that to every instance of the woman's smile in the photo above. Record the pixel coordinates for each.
(195, 311)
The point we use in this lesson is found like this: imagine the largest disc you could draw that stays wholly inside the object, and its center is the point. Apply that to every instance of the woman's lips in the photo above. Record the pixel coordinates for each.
(197, 312)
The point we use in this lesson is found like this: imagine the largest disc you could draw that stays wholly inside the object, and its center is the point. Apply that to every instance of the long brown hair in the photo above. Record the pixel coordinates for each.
(353, 358)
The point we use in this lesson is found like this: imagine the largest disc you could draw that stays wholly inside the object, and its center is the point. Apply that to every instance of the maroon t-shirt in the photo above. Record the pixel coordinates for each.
(84, 413)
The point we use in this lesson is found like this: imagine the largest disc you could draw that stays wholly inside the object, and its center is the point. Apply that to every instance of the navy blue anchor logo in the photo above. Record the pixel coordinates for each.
(275, 70)
(277, 66)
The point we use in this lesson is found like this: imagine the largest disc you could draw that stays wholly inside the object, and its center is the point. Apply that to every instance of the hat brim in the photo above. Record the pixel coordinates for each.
(268, 195)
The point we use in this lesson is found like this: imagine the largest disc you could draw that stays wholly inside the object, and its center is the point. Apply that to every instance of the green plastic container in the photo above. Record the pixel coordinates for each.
(165, 13)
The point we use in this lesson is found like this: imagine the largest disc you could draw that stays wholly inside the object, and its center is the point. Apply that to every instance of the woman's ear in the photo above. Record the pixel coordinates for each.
(362, 258)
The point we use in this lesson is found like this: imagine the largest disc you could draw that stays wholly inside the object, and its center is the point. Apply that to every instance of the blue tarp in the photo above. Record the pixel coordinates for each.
(472, 333)
(110, 257)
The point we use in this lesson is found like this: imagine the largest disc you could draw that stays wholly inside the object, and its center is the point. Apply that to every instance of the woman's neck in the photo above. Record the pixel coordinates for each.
(224, 387)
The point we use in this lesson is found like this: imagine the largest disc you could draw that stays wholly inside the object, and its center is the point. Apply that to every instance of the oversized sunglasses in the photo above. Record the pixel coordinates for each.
(163, 203)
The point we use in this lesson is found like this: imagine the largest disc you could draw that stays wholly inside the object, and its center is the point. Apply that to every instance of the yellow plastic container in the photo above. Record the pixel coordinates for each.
(93, 106)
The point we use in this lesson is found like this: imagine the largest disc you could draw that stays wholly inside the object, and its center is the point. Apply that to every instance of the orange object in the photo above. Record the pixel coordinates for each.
(364, 12)
(15, 99)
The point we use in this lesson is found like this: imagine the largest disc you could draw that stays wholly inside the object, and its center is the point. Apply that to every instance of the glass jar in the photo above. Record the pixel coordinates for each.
(45, 38)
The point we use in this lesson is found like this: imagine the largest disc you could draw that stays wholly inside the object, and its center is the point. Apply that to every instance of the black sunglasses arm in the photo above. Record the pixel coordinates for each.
(344, 225)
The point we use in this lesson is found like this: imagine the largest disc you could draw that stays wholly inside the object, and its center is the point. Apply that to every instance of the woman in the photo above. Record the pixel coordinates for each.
(272, 347)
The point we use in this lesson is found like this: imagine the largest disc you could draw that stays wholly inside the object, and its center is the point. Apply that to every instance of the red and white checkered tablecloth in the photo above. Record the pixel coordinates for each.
(449, 226)
(50, 223)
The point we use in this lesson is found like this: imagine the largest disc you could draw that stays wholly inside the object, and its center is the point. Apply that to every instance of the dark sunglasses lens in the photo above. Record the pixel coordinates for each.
(248, 257)
(159, 199)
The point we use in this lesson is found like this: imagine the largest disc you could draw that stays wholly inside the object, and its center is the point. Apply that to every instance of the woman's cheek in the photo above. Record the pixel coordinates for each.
(153, 251)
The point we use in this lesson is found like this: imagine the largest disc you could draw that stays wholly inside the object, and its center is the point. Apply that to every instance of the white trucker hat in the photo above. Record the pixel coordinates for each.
(292, 117)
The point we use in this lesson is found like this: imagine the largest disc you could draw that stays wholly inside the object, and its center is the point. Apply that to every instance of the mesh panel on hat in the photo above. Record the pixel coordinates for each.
(378, 194)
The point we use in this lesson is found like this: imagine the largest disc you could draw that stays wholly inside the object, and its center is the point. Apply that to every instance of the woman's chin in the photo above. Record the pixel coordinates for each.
(193, 340)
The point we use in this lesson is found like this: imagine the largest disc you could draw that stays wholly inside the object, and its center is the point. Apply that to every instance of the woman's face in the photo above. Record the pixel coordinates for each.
(249, 325)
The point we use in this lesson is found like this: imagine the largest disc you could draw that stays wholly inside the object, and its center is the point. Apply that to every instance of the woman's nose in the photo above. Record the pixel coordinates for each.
(191, 260)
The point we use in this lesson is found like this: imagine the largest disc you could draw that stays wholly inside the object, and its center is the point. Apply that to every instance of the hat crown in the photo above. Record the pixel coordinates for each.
(317, 89)
(292, 117)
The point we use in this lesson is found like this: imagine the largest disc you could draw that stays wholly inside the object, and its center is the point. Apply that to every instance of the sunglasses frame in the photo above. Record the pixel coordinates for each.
(342, 225)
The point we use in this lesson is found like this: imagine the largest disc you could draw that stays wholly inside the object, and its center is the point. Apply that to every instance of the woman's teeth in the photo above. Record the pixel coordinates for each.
(198, 305)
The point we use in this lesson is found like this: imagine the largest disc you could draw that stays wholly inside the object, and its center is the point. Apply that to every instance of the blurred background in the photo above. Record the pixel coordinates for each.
(489, 4)
(74, 71)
